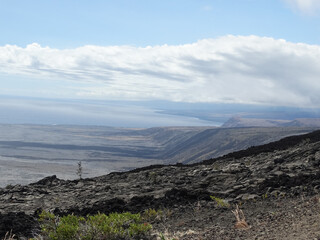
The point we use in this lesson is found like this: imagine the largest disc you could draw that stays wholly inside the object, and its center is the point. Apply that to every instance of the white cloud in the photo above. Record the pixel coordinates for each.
(305, 6)
(233, 69)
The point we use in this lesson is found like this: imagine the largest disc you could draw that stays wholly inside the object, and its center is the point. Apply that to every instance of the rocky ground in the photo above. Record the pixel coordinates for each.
(276, 185)
(287, 218)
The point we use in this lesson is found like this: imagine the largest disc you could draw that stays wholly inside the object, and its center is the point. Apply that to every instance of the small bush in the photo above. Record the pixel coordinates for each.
(220, 202)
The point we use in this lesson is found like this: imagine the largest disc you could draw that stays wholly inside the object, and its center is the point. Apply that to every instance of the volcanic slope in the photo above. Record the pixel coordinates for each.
(276, 184)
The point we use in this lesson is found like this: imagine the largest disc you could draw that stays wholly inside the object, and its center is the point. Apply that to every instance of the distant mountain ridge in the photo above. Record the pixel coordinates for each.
(235, 122)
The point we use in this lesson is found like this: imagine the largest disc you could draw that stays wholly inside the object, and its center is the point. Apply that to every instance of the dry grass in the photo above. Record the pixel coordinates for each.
(9, 236)
(241, 220)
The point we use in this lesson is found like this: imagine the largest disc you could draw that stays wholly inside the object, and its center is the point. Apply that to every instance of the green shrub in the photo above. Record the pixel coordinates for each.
(220, 202)
(98, 227)
(48, 222)
(68, 228)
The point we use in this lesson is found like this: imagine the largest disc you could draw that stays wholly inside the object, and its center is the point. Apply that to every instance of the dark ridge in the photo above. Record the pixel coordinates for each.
(146, 168)
(47, 181)
(269, 147)
(150, 167)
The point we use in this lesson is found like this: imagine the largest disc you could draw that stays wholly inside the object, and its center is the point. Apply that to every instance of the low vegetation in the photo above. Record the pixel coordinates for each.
(99, 227)
(220, 202)
(114, 226)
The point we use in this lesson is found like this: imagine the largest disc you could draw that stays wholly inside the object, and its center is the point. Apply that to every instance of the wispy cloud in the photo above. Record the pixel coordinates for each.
(305, 6)
(207, 8)
(231, 69)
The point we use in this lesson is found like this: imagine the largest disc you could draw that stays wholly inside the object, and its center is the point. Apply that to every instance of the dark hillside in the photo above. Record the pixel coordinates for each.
(212, 143)
(270, 147)
(287, 168)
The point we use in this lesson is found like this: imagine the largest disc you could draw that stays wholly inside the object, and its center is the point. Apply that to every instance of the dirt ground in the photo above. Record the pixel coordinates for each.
(274, 218)
(268, 218)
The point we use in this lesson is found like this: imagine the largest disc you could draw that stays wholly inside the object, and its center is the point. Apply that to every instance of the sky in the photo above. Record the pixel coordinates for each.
(252, 52)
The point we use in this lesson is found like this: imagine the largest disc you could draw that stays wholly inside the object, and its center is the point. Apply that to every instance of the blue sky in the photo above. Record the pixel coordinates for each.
(256, 52)
(74, 23)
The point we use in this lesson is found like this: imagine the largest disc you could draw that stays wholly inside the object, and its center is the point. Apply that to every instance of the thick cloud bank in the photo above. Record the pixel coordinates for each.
(231, 69)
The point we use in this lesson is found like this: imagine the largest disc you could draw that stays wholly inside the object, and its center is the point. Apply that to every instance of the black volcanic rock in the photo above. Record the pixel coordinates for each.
(287, 167)
(19, 223)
